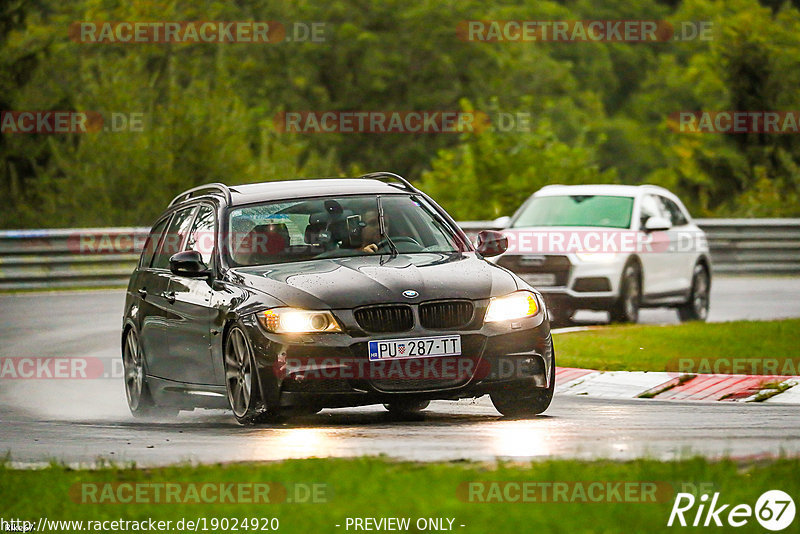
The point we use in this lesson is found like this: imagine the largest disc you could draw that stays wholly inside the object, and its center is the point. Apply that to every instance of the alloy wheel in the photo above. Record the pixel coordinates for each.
(134, 370)
(238, 372)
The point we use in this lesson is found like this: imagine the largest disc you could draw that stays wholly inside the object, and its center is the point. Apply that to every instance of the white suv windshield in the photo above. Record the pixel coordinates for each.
(316, 228)
(577, 210)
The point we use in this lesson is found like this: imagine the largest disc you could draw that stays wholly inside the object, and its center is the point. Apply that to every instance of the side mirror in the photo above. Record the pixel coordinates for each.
(188, 263)
(657, 224)
(491, 243)
(501, 222)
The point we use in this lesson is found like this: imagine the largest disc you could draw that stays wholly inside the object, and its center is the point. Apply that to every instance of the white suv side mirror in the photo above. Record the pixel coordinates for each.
(656, 224)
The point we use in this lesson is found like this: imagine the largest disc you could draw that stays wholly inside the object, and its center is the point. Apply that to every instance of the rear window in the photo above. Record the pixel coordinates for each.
(577, 210)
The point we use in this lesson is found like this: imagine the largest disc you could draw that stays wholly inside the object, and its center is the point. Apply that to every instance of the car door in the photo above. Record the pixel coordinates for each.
(160, 300)
(655, 253)
(680, 261)
(190, 327)
(150, 317)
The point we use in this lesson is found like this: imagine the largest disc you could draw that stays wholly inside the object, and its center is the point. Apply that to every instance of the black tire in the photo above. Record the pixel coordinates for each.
(137, 392)
(406, 407)
(626, 309)
(242, 382)
(696, 308)
(525, 401)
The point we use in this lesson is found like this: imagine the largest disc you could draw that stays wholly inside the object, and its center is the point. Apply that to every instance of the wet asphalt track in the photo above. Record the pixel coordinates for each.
(79, 421)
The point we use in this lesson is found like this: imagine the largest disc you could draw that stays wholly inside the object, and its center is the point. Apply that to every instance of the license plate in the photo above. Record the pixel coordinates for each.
(540, 279)
(416, 347)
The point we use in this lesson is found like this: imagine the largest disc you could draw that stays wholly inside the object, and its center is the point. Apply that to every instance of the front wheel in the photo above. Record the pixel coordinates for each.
(626, 309)
(242, 383)
(522, 401)
(696, 308)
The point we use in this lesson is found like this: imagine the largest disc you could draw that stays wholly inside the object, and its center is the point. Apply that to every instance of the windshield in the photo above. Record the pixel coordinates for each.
(334, 227)
(577, 210)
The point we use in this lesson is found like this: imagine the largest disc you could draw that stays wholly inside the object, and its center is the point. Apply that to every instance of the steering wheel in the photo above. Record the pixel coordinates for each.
(399, 239)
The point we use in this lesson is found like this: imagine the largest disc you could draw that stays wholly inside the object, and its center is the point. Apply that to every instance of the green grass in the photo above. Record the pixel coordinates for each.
(375, 487)
(654, 348)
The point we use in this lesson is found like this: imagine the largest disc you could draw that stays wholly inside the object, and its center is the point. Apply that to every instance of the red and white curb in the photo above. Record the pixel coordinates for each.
(677, 386)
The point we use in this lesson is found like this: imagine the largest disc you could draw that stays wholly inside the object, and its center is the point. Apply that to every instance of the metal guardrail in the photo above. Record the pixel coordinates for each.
(106, 256)
(754, 245)
(744, 246)
(84, 257)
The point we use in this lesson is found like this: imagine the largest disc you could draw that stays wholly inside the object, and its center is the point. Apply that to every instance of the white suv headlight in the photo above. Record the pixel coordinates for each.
(516, 305)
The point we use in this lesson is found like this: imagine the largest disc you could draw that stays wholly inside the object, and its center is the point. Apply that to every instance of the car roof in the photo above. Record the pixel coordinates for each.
(294, 189)
(600, 189)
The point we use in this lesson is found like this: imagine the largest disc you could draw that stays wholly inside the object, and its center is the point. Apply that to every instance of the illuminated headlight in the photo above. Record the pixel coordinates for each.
(514, 306)
(596, 257)
(294, 321)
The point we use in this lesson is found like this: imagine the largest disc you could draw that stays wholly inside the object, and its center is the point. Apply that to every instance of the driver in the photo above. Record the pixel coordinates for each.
(371, 232)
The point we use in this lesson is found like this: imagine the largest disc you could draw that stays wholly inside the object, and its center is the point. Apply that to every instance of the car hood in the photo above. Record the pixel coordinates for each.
(338, 283)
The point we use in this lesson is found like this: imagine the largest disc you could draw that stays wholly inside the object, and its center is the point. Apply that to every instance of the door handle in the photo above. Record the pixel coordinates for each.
(169, 296)
(143, 293)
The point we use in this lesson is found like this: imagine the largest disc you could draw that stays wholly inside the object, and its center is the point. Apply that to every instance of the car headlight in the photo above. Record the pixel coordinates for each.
(294, 321)
(517, 305)
(596, 257)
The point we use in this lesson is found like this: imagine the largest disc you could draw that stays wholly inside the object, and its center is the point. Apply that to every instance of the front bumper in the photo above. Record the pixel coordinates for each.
(578, 284)
(333, 370)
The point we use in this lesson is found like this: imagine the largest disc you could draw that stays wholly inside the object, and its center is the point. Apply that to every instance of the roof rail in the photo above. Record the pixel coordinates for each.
(654, 186)
(383, 175)
(194, 192)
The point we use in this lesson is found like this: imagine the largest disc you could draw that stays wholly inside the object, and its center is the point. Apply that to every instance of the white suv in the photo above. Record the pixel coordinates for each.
(609, 247)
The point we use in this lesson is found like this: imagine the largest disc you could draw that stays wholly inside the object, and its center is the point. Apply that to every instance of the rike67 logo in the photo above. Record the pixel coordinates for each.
(774, 510)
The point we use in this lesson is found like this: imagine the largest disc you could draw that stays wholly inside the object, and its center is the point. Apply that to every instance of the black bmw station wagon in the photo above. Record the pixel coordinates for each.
(282, 298)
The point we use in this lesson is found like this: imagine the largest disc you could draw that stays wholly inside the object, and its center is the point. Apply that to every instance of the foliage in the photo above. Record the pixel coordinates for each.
(598, 110)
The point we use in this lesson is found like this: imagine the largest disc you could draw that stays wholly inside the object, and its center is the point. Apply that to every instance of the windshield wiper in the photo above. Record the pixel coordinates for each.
(384, 233)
